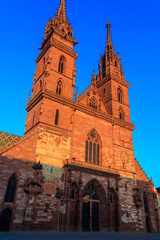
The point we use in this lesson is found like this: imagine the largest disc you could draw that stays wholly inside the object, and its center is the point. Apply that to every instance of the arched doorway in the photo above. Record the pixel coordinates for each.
(5, 220)
(90, 215)
(94, 207)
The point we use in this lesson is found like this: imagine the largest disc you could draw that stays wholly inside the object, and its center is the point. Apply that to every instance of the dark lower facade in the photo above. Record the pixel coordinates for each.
(78, 198)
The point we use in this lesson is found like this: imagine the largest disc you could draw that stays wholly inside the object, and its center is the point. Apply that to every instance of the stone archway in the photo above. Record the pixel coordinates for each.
(5, 220)
(94, 207)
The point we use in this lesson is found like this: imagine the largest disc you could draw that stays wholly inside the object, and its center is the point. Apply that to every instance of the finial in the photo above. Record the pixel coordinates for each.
(109, 41)
(99, 69)
(62, 10)
(77, 91)
(93, 77)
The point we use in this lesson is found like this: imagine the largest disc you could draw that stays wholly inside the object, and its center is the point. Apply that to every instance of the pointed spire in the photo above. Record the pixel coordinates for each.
(109, 40)
(93, 77)
(62, 10)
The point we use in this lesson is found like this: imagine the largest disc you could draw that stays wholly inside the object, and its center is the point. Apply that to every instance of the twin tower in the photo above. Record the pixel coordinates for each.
(54, 80)
(75, 169)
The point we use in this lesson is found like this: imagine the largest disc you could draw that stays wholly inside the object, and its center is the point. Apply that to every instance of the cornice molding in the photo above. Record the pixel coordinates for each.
(61, 46)
(110, 77)
(80, 166)
(77, 106)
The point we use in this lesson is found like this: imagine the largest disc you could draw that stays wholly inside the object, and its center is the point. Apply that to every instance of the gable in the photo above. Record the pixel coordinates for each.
(91, 98)
(8, 140)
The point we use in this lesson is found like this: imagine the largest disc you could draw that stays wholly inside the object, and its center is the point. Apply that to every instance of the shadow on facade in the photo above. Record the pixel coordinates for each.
(73, 198)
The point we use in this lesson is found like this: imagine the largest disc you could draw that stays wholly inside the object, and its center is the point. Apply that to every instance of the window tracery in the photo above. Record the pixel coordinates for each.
(61, 65)
(59, 87)
(93, 102)
(90, 193)
(92, 148)
(119, 95)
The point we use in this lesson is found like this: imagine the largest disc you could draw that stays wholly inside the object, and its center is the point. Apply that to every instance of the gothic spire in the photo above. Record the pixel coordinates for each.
(62, 10)
(109, 40)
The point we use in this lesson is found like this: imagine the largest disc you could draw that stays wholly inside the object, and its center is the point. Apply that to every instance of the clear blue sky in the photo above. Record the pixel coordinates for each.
(135, 34)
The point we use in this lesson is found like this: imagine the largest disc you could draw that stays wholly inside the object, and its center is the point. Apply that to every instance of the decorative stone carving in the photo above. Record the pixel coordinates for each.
(34, 185)
(137, 197)
(59, 193)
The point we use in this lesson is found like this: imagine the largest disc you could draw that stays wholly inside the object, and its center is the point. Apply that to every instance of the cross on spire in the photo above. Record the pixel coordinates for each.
(62, 10)
(109, 40)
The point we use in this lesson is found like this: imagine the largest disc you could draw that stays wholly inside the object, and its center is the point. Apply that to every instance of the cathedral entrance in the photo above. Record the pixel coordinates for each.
(90, 214)
(5, 220)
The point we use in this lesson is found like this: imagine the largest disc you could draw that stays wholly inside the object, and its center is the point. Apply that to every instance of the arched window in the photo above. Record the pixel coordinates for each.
(11, 188)
(90, 193)
(145, 202)
(115, 63)
(93, 103)
(59, 87)
(119, 95)
(61, 65)
(57, 117)
(121, 113)
(92, 150)
(104, 91)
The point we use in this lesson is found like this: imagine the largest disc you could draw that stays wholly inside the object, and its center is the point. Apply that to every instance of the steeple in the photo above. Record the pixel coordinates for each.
(61, 14)
(111, 83)
(56, 69)
(109, 40)
(59, 25)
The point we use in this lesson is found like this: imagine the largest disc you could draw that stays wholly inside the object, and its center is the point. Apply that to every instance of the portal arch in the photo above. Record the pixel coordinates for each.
(94, 208)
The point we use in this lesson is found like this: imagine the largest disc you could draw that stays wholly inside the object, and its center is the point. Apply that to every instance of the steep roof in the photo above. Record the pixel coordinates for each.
(92, 92)
(8, 140)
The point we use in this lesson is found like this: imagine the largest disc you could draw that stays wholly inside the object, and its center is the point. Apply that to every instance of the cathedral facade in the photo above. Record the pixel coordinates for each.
(74, 169)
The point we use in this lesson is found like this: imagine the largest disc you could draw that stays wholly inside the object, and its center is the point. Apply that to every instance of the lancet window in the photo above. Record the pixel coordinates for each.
(61, 65)
(93, 103)
(119, 95)
(11, 188)
(92, 148)
(145, 202)
(57, 117)
(59, 87)
(121, 113)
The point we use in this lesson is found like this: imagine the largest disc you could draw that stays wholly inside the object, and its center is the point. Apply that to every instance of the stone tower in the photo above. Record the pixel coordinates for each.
(111, 82)
(75, 170)
(54, 79)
